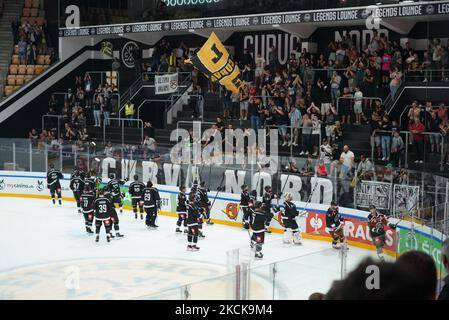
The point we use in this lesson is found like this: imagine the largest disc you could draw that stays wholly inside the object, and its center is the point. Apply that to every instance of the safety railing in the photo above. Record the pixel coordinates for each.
(123, 123)
(353, 99)
(421, 149)
(114, 96)
(427, 75)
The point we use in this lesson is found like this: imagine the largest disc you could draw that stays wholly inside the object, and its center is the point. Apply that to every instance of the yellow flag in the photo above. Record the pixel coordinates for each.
(214, 61)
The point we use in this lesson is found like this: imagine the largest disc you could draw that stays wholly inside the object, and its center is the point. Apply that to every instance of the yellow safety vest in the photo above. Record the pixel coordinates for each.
(129, 109)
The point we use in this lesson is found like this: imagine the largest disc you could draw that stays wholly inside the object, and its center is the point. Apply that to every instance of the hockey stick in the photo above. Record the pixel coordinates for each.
(304, 211)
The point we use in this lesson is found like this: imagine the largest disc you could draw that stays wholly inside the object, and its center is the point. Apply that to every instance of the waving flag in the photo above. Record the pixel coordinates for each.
(214, 61)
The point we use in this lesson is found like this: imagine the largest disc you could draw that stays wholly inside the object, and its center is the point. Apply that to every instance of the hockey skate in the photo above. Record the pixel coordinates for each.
(60, 202)
(118, 235)
(267, 230)
(195, 248)
(201, 235)
(54, 202)
(141, 216)
(189, 248)
(111, 236)
(135, 216)
(108, 237)
(97, 238)
(252, 244)
(246, 226)
(209, 223)
(258, 255)
(89, 231)
(186, 231)
(335, 245)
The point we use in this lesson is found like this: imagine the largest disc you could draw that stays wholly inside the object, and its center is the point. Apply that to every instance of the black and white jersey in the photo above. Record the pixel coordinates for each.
(92, 182)
(290, 212)
(87, 200)
(333, 219)
(76, 183)
(244, 199)
(53, 177)
(150, 197)
(182, 203)
(258, 216)
(103, 208)
(136, 189)
(202, 197)
(114, 186)
(266, 200)
(193, 214)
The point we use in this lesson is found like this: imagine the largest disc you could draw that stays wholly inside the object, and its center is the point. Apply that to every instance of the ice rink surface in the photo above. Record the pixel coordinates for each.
(46, 254)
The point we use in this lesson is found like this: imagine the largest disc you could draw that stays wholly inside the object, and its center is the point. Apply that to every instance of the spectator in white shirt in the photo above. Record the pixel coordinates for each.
(347, 162)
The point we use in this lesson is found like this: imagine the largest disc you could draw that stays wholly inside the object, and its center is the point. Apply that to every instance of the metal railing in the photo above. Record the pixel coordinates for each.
(427, 75)
(352, 98)
(121, 122)
(49, 116)
(407, 143)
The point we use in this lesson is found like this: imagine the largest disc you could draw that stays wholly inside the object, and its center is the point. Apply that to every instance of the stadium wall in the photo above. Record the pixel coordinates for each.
(226, 211)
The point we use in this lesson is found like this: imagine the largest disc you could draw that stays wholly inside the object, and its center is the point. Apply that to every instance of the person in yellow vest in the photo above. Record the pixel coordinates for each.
(129, 112)
(172, 62)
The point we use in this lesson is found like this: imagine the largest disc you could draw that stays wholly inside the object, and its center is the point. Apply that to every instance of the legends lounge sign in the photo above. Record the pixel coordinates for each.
(336, 15)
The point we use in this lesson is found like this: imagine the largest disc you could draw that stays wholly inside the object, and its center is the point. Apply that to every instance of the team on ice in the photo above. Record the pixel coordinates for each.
(99, 204)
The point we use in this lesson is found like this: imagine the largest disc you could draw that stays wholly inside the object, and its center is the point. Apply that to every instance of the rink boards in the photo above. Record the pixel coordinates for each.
(226, 211)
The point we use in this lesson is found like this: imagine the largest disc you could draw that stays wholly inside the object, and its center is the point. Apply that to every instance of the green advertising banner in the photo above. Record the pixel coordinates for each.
(415, 240)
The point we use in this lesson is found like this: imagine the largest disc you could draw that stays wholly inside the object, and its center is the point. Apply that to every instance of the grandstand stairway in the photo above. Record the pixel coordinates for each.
(12, 8)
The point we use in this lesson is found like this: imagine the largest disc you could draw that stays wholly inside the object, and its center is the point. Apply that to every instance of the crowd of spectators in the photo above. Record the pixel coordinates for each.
(32, 40)
(412, 276)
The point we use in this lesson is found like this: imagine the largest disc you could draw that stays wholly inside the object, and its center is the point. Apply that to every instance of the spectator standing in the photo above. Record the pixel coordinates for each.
(107, 111)
(129, 112)
(444, 130)
(385, 137)
(347, 162)
(397, 148)
(433, 126)
(395, 83)
(296, 123)
(417, 129)
(306, 136)
(358, 106)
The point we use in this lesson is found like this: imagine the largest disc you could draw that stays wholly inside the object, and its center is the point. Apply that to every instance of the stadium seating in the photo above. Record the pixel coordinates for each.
(19, 74)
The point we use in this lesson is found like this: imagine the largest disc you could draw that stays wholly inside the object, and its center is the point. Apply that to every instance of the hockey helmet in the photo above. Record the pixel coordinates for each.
(149, 184)
(136, 177)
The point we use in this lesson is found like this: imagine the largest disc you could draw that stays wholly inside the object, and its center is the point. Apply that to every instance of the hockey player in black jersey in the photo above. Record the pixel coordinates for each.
(194, 190)
(77, 186)
(377, 222)
(266, 200)
(53, 183)
(87, 200)
(181, 209)
(193, 217)
(151, 203)
(289, 214)
(334, 224)
(244, 203)
(116, 194)
(135, 190)
(258, 218)
(114, 217)
(204, 202)
(102, 209)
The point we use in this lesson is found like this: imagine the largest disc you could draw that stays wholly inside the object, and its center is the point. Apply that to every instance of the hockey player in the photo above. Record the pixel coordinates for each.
(266, 200)
(292, 232)
(194, 190)
(181, 209)
(151, 203)
(102, 208)
(204, 202)
(258, 213)
(334, 224)
(77, 186)
(135, 190)
(92, 181)
(53, 183)
(87, 200)
(244, 203)
(114, 217)
(114, 188)
(193, 217)
(376, 223)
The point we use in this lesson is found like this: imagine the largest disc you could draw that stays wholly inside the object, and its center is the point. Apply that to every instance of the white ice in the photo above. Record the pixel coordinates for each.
(46, 254)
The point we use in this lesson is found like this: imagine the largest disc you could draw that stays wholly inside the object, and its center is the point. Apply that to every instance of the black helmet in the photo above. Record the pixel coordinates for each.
(112, 176)
(136, 177)
(244, 187)
(254, 194)
(52, 166)
(182, 187)
(372, 207)
(149, 184)
(334, 204)
(267, 188)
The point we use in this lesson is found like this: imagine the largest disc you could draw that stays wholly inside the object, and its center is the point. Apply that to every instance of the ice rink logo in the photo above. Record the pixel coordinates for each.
(40, 186)
(232, 210)
(128, 54)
